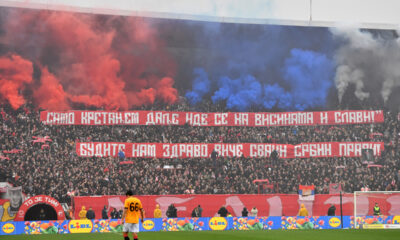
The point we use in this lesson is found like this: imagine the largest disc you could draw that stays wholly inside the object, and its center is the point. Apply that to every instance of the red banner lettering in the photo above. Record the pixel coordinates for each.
(211, 119)
(203, 150)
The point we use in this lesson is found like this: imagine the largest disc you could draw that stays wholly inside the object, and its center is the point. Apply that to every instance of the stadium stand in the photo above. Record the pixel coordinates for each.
(56, 170)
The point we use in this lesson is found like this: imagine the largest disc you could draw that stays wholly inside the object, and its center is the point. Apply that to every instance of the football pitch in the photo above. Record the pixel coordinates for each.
(227, 235)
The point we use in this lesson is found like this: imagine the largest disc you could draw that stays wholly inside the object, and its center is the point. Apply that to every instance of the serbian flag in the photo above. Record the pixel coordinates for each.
(306, 192)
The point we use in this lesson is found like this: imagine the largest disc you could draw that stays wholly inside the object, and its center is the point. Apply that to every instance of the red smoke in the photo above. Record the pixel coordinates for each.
(50, 94)
(15, 73)
(103, 61)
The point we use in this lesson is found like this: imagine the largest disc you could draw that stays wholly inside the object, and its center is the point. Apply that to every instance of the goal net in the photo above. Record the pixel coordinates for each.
(376, 209)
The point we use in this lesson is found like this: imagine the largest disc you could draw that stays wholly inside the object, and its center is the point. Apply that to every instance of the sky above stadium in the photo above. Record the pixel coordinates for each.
(72, 61)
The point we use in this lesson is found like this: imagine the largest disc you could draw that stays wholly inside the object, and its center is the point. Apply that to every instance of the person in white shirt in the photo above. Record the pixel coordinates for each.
(254, 212)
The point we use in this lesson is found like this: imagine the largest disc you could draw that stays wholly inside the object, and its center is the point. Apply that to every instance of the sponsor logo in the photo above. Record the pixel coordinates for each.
(80, 226)
(392, 226)
(8, 228)
(374, 226)
(148, 224)
(218, 223)
(334, 222)
(396, 219)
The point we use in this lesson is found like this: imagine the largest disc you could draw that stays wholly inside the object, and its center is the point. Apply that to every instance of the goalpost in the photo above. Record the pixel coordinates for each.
(364, 202)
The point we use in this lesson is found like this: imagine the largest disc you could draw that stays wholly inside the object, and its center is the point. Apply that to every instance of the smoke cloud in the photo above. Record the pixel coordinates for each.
(201, 86)
(240, 93)
(15, 73)
(252, 66)
(307, 76)
(102, 61)
(56, 98)
(64, 60)
(368, 61)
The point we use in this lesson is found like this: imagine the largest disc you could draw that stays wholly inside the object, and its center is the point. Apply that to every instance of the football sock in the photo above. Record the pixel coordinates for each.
(126, 236)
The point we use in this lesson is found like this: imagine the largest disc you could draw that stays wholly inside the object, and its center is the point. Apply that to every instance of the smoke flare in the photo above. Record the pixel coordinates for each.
(103, 61)
(370, 62)
(15, 73)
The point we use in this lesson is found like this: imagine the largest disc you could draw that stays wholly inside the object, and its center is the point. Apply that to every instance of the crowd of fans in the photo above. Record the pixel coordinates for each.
(56, 170)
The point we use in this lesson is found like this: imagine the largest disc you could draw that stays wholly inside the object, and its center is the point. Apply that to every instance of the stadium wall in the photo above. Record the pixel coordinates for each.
(267, 204)
(195, 224)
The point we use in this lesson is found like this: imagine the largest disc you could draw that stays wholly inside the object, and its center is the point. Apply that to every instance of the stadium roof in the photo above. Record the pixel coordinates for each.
(375, 14)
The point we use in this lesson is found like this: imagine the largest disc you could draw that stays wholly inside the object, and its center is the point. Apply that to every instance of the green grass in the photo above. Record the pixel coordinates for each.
(228, 235)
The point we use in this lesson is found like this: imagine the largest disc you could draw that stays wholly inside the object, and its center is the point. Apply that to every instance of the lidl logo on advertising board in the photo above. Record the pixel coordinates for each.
(148, 224)
(218, 223)
(80, 226)
(8, 228)
(334, 222)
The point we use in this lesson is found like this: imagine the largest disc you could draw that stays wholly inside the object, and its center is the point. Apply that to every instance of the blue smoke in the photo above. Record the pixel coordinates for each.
(201, 86)
(275, 95)
(288, 68)
(239, 94)
(309, 75)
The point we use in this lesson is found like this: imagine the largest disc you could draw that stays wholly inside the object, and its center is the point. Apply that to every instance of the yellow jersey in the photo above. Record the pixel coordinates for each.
(133, 207)
(303, 212)
(6, 215)
(157, 213)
